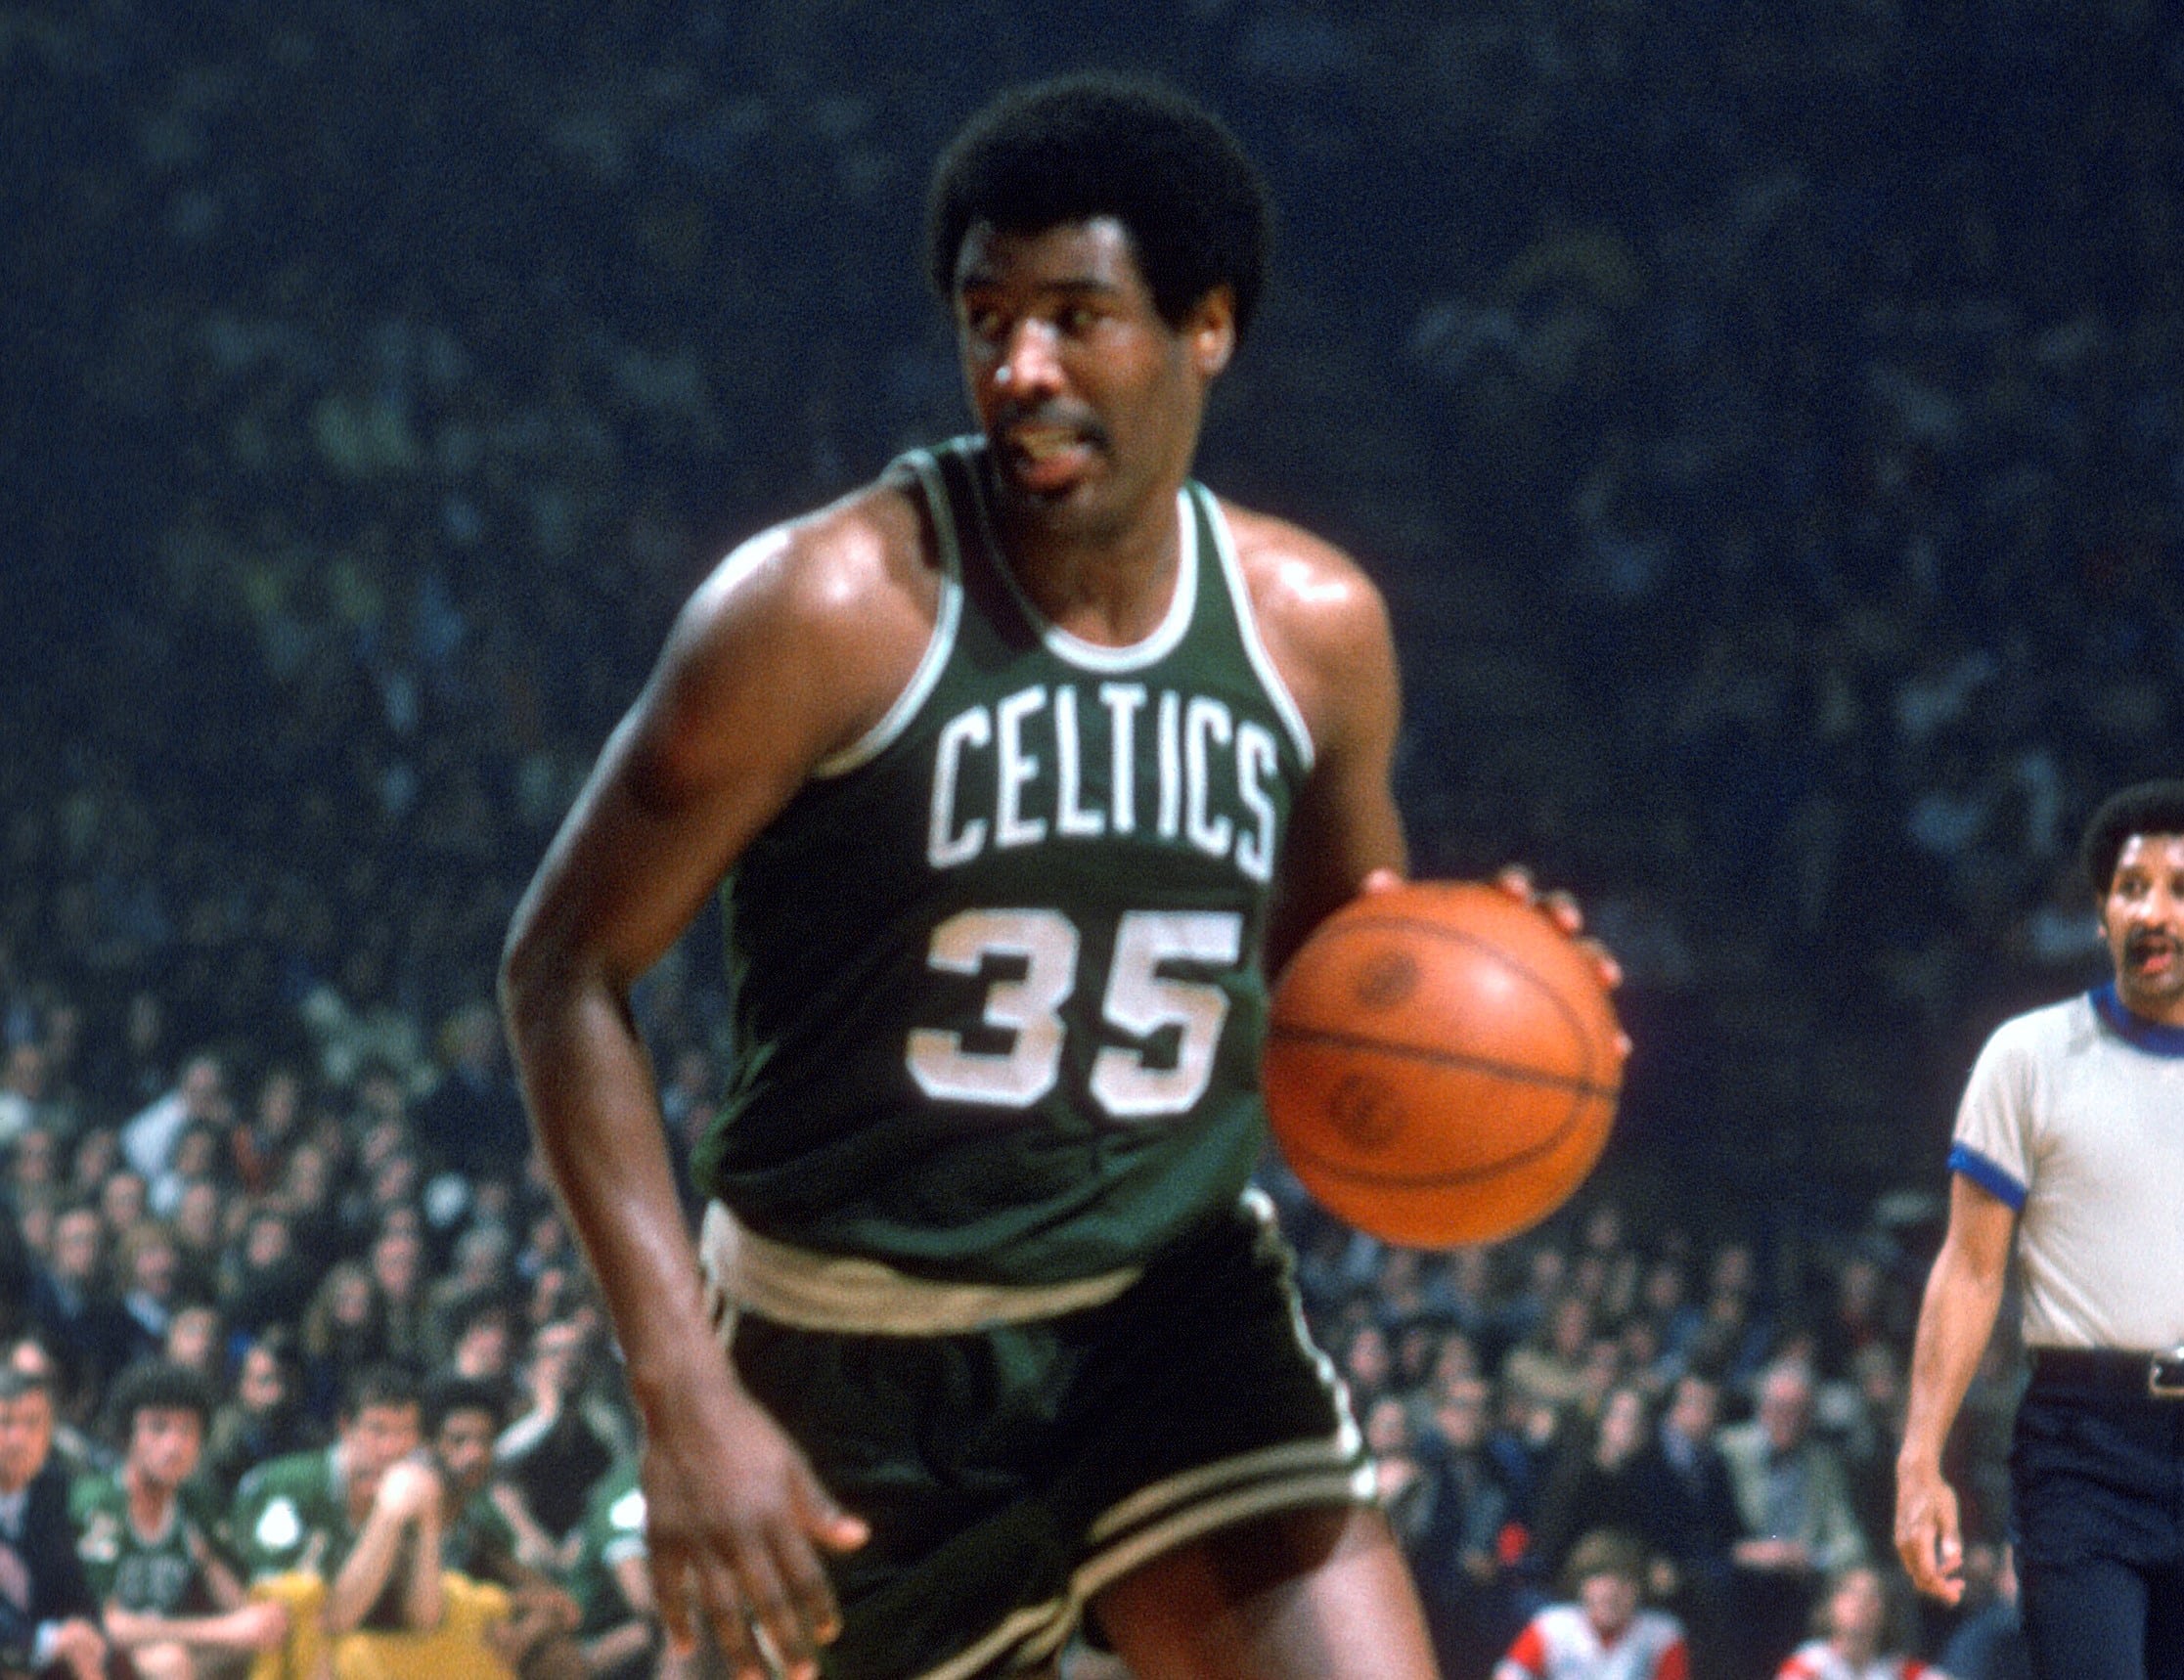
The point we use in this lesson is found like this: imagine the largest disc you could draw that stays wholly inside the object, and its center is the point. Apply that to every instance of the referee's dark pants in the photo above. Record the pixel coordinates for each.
(2097, 1484)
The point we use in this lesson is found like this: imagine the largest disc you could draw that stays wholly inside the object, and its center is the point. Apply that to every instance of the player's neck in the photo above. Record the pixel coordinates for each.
(148, 1502)
(1113, 588)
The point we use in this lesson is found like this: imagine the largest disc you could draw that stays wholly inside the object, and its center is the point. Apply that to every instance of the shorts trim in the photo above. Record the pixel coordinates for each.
(1165, 1516)
(847, 1295)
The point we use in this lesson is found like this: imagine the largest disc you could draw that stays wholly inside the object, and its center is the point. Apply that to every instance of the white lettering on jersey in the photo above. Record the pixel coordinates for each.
(1214, 776)
(944, 844)
(1011, 828)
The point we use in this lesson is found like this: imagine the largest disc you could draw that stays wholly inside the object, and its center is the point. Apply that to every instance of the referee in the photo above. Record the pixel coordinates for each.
(2071, 1132)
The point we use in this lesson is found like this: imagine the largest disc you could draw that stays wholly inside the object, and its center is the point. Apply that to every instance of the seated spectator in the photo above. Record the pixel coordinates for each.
(150, 1548)
(349, 1540)
(463, 1416)
(1861, 1632)
(1600, 1632)
(74, 1452)
(472, 1123)
(1988, 1641)
(1794, 1501)
(568, 1438)
(196, 1338)
(1596, 1480)
(1462, 1561)
(266, 1280)
(199, 1097)
(342, 1334)
(49, 1619)
(73, 1306)
(264, 1419)
(150, 1272)
(1549, 1366)
(1691, 1521)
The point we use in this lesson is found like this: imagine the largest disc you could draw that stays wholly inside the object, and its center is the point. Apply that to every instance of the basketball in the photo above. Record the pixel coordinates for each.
(1443, 1064)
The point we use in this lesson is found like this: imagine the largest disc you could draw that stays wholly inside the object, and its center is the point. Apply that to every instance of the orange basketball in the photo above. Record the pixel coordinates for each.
(1442, 1064)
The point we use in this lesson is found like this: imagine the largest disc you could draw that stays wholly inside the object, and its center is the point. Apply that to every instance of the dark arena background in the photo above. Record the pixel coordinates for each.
(1765, 421)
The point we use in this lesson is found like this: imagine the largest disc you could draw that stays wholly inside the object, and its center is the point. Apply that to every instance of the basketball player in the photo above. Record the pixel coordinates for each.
(2070, 1139)
(1020, 765)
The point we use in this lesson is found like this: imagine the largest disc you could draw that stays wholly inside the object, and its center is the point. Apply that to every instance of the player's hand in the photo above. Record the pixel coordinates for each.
(408, 1489)
(1927, 1534)
(79, 1647)
(733, 1516)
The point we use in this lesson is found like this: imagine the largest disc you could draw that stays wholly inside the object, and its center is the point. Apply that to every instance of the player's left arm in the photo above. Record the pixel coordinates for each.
(1326, 626)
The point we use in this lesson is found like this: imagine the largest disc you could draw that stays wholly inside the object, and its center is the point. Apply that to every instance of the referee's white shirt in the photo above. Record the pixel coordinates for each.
(2074, 1117)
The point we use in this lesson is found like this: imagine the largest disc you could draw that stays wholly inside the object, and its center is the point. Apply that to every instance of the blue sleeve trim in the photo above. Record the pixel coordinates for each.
(1988, 1176)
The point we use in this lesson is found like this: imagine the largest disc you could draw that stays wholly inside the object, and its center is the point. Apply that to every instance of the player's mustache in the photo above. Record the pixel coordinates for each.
(1055, 415)
(2143, 942)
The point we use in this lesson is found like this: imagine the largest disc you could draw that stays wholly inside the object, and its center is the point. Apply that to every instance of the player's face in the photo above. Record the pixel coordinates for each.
(463, 1445)
(2143, 920)
(1091, 400)
(374, 1440)
(1609, 1602)
(1856, 1607)
(163, 1444)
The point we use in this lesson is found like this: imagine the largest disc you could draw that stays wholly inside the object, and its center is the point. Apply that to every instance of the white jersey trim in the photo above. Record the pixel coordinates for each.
(947, 618)
(1097, 656)
(1247, 623)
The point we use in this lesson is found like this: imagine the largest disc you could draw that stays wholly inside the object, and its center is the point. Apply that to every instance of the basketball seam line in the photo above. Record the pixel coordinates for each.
(1439, 1181)
(1516, 1073)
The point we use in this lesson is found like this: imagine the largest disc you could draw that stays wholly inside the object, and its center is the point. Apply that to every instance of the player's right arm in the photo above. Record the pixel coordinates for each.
(1963, 1294)
(794, 646)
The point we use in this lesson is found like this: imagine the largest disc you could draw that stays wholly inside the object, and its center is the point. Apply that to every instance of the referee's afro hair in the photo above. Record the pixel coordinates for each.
(2144, 808)
(1197, 213)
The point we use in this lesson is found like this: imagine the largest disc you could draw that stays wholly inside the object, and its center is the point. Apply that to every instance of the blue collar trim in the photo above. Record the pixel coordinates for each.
(2135, 1031)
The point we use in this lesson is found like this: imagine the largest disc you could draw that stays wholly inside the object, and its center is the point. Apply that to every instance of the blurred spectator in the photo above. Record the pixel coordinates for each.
(1549, 1367)
(1988, 1641)
(396, 1259)
(1861, 1628)
(1795, 1501)
(49, 1618)
(151, 1273)
(75, 1310)
(22, 1095)
(1689, 1516)
(473, 1123)
(264, 1419)
(1598, 1480)
(1602, 1631)
(199, 1097)
(266, 1281)
(565, 1437)
(1466, 1557)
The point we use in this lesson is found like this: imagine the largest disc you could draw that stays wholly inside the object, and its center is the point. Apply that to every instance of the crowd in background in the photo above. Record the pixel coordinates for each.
(1765, 422)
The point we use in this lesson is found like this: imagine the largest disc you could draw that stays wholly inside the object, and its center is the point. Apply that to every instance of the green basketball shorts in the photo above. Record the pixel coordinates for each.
(1010, 1474)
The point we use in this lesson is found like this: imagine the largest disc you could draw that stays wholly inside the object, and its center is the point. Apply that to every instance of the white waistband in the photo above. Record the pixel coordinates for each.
(856, 1297)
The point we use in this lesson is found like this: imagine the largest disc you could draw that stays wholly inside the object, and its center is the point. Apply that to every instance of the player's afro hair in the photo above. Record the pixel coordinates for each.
(158, 1385)
(1066, 151)
(2144, 808)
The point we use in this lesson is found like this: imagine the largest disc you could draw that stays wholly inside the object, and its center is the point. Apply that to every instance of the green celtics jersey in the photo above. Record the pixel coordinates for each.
(997, 976)
(478, 1540)
(612, 1530)
(292, 1513)
(158, 1575)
